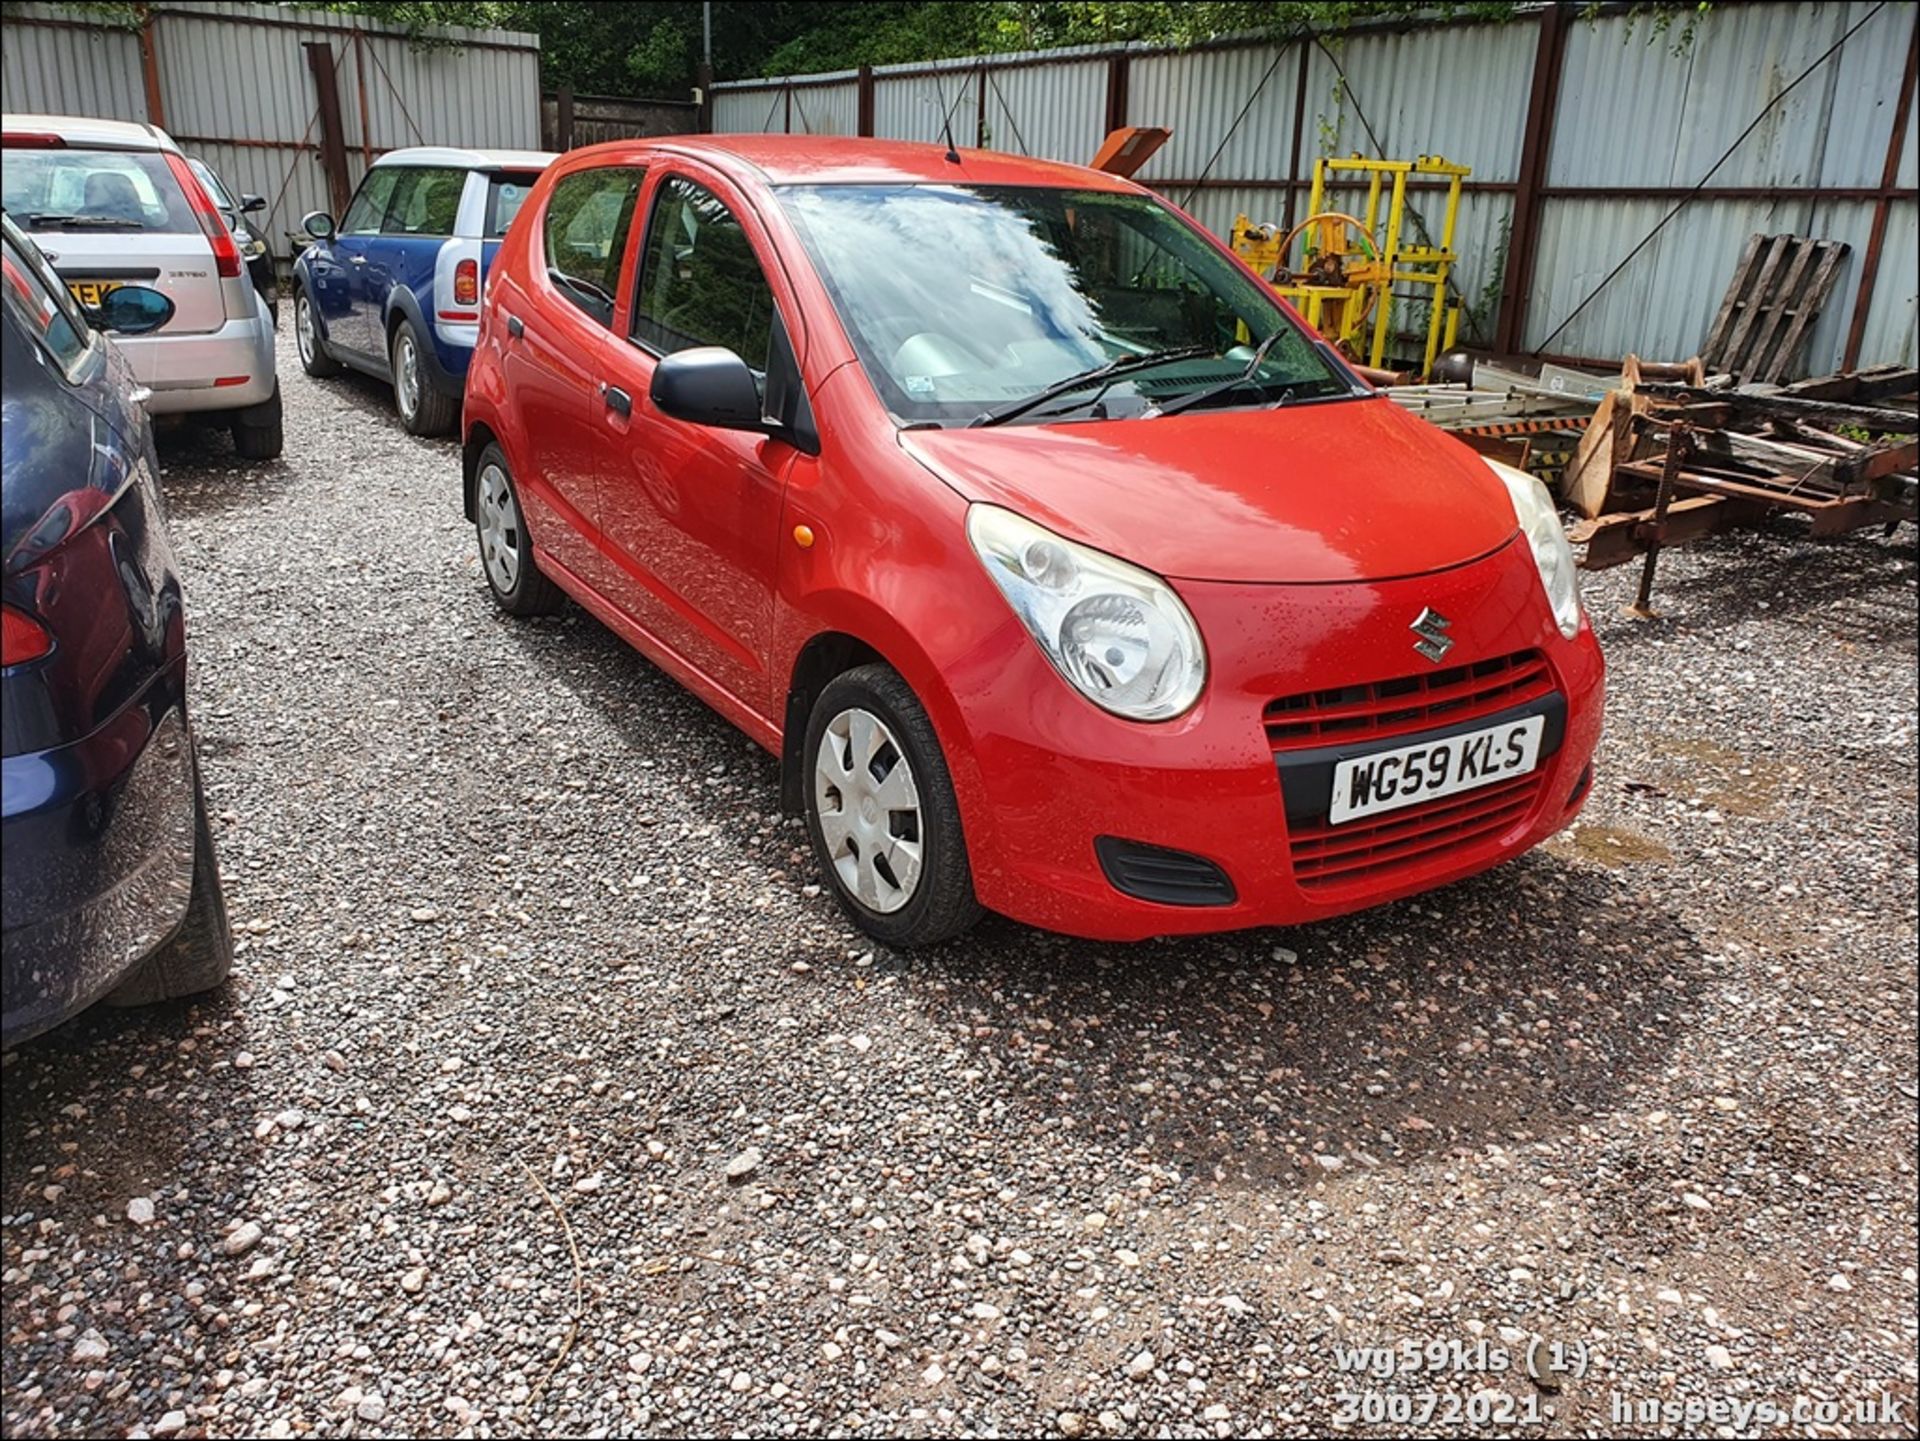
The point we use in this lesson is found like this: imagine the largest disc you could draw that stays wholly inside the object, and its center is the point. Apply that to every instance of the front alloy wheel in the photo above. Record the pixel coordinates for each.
(882, 813)
(869, 810)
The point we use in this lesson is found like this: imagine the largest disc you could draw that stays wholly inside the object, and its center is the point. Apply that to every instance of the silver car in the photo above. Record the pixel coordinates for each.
(112, 203)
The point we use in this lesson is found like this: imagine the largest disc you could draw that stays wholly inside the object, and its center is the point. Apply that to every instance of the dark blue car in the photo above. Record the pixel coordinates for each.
(111, 890)
(393, 287)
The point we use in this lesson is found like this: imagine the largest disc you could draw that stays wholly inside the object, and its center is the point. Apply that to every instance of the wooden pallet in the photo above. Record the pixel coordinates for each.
(1769, 309)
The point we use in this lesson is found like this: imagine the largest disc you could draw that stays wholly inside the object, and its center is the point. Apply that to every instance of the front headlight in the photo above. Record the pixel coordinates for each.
(1118, 634)
(1541, 524)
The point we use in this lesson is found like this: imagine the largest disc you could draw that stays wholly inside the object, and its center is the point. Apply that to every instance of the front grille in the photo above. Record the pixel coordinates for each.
(1418, 702)
(1325, 855)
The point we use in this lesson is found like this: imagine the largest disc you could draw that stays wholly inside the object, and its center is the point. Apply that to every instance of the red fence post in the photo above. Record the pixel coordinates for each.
(1117, 77)
(1524, 233)
(150, 72)
(333, 139)
(1876, 237)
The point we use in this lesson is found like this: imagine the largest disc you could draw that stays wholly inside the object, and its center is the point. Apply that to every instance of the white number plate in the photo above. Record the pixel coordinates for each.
(1388, 780)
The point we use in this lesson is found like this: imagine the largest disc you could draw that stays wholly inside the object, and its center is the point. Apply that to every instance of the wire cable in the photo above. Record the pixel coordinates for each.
(1693, 194)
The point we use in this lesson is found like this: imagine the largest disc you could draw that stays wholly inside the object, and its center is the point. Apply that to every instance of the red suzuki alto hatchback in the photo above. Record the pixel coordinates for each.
(1065, 570)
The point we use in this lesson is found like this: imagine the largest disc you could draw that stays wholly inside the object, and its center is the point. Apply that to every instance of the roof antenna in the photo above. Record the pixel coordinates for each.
(946, 124)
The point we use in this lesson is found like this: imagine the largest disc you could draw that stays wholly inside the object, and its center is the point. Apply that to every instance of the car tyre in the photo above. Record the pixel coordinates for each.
(259, 431)
(423, 410)
(314, 358)
(199, 956)
(506, 549)
(882, 813)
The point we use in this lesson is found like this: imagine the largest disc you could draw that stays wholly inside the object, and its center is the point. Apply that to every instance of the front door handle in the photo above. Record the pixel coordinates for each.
(515, 327)
(618, 401)
(356, 260)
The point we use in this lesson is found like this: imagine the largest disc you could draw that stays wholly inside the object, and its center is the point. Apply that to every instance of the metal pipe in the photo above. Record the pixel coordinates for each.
(1679, 444)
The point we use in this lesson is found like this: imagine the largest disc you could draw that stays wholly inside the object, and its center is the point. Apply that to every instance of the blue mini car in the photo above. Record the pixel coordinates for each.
(393, 287)
(109, 887)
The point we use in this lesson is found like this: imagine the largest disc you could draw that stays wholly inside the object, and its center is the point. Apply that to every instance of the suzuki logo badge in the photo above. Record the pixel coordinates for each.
(1432, 628)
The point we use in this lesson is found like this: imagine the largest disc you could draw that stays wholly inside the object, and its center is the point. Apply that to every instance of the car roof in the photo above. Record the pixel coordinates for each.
(469, 159)
(84, 133)
(835, 159)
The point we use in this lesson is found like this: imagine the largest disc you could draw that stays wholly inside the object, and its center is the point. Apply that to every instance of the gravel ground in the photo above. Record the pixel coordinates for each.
(552, 1094)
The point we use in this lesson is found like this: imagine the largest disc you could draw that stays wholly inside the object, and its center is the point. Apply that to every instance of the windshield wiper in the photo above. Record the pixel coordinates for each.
(85, 222)
(1122, 365)
(1205, 393)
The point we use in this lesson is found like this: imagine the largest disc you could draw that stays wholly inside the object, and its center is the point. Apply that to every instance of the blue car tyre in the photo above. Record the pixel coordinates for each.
(424, 410)
(314, 358)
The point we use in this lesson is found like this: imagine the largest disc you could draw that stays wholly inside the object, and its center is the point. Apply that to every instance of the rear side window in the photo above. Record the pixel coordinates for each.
(700, 283)
(34, 297)
(95, 190)
(505, 195)
(209, 182)
(585, 234)
(425, 202)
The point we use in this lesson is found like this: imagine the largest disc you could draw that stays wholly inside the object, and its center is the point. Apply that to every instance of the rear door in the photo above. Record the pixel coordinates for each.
(557, 330)
(110, 217)
(419, 220)
(340, 268)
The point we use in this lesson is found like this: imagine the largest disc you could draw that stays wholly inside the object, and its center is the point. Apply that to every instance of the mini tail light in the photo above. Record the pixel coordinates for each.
(22, 638)
(31, 140)
(466, 283)
(226, 253)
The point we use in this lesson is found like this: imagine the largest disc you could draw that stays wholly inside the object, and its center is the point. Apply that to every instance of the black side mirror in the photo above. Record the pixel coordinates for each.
(708, 385)
(318, 224)
(251, 203)
(133, 310)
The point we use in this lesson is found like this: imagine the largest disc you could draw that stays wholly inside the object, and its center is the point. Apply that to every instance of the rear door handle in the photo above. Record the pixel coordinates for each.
(618, 401)
(515, 327)
(356, 260)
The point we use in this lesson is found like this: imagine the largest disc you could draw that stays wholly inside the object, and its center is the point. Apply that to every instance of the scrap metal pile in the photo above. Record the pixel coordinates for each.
(1678, 460)
(1666, 454)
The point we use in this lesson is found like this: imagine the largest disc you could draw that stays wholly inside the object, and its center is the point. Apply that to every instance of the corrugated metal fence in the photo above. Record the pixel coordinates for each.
(236, 85)
(1583, 132)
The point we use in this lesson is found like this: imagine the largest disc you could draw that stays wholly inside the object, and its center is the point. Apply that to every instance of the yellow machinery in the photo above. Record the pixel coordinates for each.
(1345, 287)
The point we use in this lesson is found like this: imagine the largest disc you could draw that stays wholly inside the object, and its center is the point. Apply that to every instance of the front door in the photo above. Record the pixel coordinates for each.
(691, 515)
(344, 298)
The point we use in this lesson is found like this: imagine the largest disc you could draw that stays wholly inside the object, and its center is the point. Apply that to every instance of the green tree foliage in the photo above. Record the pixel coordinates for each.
(652, 47)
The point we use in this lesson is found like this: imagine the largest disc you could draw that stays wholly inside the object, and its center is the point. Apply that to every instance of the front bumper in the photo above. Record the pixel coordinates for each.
(98, 843)
(181, 370)
(1048, 774)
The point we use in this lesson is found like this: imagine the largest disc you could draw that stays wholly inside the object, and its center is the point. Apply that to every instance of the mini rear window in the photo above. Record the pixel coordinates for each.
(505, 195)
(109, 191)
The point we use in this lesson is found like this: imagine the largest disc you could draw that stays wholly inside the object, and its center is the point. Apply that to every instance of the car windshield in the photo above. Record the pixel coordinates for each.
(970, 303)
(61, 189)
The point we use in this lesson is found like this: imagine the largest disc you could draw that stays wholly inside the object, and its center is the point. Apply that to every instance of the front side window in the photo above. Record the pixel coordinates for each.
(425, 202)
(700, 283)
(30, 290)
(965, 300)
(588, 217)
(370, 203)
(103, 190)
